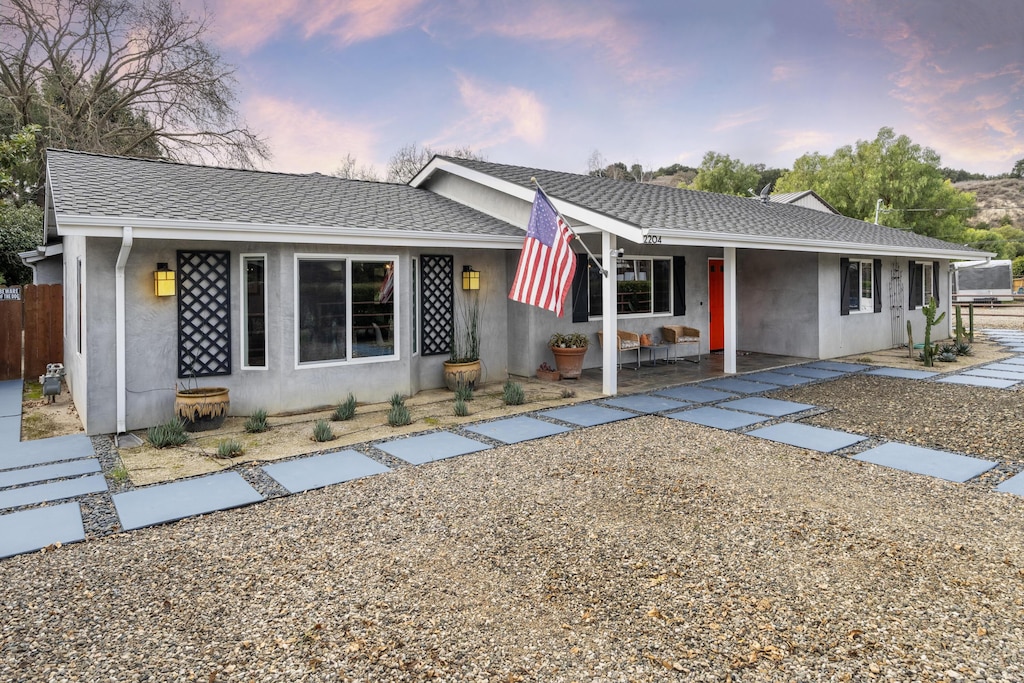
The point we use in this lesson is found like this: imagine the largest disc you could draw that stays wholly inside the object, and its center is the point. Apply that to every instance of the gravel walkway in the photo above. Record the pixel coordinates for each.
(632, 551)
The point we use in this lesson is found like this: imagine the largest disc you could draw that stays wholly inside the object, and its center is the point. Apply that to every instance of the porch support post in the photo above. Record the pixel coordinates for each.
(119, 330)
(730, 310)
(609, 325)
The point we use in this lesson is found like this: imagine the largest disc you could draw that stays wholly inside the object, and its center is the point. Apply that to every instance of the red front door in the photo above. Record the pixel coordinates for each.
(716, 303)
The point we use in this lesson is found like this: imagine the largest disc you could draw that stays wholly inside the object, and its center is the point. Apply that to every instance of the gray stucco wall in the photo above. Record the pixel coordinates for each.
(74, 360)
(777, 309)
(151, 332)
(843, 335)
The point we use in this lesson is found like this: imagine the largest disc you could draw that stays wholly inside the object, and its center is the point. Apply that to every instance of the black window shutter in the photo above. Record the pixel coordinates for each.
(935, 281)
(915, 270)
(876, 286)
(679, 285)
(844, 286)
(581, 290)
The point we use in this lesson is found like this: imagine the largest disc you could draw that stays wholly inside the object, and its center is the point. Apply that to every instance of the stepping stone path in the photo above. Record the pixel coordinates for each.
(39, 480)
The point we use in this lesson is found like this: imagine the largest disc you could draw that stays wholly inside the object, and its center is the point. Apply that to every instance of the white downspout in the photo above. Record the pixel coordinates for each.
(119, 328)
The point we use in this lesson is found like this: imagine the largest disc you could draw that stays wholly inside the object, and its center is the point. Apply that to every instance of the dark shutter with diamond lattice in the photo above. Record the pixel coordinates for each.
(436, 312)
(204, 313)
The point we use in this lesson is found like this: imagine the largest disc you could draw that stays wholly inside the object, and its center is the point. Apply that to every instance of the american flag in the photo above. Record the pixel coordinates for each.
(547, 264)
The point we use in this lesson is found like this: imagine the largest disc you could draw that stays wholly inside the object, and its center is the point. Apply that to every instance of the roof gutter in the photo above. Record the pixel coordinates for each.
(119, 327)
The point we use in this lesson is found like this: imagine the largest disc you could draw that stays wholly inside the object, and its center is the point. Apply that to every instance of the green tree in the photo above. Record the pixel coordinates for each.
(17, 170)
(1018, 266)
(905, 176)
(725, 175)
(21, 229)
(986, 240)
(1018, 169)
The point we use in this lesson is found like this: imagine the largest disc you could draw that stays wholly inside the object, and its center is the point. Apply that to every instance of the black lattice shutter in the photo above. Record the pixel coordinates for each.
(437, 303)
(204, 313)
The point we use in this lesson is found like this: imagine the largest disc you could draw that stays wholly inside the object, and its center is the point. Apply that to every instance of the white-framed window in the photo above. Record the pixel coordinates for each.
(345, 308)
(927, 284)
(254, 311)
(860, 278)
(643, 286)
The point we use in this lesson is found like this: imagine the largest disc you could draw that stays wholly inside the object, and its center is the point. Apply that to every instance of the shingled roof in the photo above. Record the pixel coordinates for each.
(97, 186)
(681, 213)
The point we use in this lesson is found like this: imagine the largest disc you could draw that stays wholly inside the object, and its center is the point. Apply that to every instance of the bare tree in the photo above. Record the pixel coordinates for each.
(133, 77)
(596, 163)
(352, 170)
(407, 161)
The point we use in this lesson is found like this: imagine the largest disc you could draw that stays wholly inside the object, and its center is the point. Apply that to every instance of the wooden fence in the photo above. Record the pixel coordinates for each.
(35, 318)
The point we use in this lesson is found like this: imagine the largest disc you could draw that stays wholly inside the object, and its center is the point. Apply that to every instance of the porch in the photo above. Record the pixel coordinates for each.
(650, 377)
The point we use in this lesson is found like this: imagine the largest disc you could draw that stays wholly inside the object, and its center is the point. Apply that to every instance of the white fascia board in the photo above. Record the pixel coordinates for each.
(705, 239)
(589, 217)
(151, 228)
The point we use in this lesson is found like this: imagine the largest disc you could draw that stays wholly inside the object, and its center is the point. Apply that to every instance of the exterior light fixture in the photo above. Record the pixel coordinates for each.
(470, 278)
(163, 280)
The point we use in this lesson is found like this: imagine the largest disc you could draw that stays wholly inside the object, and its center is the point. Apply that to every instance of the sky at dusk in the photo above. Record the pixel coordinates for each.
(545, 82)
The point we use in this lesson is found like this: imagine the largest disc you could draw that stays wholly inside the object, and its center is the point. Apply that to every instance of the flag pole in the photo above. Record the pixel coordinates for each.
(600, 266)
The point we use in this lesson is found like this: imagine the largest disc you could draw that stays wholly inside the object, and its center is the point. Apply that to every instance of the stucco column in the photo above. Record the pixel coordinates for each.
(729, 294)
(610, 323)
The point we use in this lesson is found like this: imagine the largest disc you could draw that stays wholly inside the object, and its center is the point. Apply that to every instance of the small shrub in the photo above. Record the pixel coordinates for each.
(512, 393)
(947, 349)
(396, 400)
(257, 422)
(345, 410)
(946, 357)
(399, 415)
(229, 448)
(322, 431)
(432, 421)
(170, 433)
(962, 348)
(568, 393)
(460, 408)
(464, 392)
(119, 474)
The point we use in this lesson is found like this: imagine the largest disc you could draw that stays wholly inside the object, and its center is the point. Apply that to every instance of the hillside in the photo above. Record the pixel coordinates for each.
(996, 198)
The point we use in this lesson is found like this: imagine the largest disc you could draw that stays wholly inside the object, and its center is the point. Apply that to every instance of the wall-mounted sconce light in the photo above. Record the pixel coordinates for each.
(470, 278)
(163, 280)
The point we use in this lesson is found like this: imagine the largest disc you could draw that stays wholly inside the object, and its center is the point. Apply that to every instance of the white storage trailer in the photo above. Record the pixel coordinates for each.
(983, 281)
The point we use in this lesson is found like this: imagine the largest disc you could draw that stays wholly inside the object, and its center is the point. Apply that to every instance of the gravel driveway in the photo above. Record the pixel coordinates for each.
(637, 551)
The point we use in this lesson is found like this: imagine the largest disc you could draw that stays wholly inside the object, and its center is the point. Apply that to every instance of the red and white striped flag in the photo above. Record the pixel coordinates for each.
(547, 263)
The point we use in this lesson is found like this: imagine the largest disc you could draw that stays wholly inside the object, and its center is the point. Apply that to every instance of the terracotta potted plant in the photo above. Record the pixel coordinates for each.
(547, 373)
(463, 364)
(569, 350)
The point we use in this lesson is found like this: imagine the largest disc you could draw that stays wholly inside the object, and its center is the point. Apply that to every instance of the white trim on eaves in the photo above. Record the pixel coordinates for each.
(157, 228)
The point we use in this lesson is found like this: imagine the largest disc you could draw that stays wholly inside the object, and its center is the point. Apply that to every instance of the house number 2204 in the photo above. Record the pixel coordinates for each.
(652, 239)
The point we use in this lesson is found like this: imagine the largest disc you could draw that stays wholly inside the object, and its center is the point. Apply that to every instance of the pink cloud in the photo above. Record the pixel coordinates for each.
(305, 140)
(740, 118)
(958, 71)
(584, 27)
(495, 114)
(247, 24)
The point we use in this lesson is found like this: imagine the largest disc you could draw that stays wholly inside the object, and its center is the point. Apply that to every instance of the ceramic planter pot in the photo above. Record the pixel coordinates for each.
(467, 374)
(202, 408)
